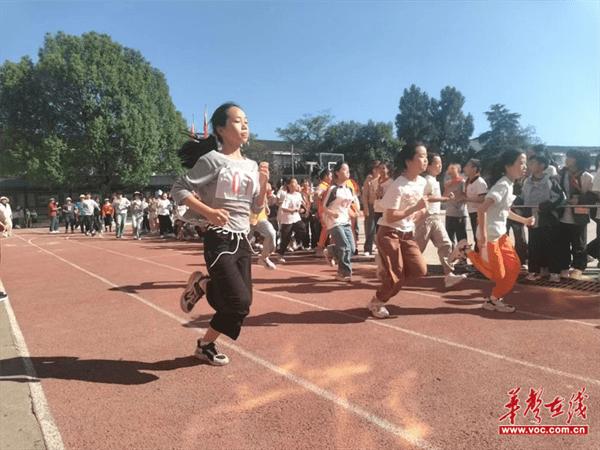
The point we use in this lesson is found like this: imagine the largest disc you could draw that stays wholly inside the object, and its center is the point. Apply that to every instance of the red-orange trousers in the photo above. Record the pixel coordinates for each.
(502, 267)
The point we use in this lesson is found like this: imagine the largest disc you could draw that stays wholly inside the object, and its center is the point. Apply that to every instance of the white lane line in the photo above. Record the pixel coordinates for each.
(317, 390)
(50, 433)
(383, 323)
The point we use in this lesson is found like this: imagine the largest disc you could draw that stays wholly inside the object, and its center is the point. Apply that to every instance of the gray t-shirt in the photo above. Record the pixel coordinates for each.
(222, 183)
(456, 208)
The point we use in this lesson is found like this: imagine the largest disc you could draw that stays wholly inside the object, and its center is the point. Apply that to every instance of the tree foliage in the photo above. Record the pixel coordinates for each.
(89, 112)
(361, 144)
(505, 133)
(308, 132)
(441, 124)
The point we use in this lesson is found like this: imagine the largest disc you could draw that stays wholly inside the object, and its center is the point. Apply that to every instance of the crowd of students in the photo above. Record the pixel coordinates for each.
(148, 214)
(231, 198)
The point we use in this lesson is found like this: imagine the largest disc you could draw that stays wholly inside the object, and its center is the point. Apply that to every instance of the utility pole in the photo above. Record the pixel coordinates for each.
(292, 154)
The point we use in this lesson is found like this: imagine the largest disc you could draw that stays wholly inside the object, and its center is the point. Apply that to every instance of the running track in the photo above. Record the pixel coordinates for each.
(107, 340)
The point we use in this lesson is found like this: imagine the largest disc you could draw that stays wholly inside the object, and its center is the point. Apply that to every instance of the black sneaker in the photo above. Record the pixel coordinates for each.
(192, 292)
(210, 354)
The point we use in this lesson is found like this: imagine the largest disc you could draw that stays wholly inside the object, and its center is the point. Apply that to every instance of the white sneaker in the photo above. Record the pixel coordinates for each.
(366, 254)
(576, 274)
(453, 279)
(280, 259)
(564, 273)
(266, 263)
(378, 309)
(459, 251)
(532, 276)
(498, 305)
(346, 279)
(554, 278)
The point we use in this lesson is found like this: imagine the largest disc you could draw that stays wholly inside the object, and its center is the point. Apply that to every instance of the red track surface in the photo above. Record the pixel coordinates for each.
(112, 349)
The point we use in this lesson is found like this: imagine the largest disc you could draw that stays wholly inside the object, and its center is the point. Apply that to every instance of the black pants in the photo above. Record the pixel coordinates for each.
(543, 251)
(310, 239)
(593, 248)
(286, 233)
(230, 285)
(165, 225)
(456, 228)
(88, 224)
(473, 220)
(518, 230)
(571, 243)
(69, 222)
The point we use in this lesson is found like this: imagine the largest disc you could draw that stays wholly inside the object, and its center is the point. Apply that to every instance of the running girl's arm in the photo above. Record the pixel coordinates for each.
(443, 198)
(214, 216)
(529, 221)
(482, 221)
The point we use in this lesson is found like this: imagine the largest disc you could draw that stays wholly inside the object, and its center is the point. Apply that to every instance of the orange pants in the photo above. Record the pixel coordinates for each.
(502, 267)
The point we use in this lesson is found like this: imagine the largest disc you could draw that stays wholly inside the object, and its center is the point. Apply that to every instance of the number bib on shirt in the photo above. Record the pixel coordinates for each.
(235, 184)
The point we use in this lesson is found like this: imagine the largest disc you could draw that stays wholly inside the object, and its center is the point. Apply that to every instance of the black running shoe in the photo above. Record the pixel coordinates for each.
(210, 354)
(192, 292)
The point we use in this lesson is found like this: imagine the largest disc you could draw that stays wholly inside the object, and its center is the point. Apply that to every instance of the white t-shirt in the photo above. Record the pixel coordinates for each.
(383, 187)
(290, 201)
(402, 194)
(338, 200)
(432, 187)
(497, 214)
(475, 189)
(87, 206)
(121, 205)
(164, 207)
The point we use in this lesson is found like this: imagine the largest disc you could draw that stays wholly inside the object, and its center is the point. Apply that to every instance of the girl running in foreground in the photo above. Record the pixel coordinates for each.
(403, 204)
(497, 258)
(223, 187)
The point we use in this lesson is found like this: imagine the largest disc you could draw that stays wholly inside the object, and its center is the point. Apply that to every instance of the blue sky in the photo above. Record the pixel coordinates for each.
(281, 60)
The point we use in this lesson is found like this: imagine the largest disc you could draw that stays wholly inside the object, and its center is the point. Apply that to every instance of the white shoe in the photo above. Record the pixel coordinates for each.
(498, 305)
(266, 263)
(576, 274)
(453, 279)
(346, 279)
(280, 259)
(564, 273)
(459, 251)
(554, 278)
(366, 254)
(532, 276)
(378, 309)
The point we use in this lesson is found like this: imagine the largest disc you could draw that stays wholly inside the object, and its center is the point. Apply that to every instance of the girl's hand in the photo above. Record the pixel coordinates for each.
(530, 221)
(218, 217)
(263, 174)
(421, 204)
(451, 196)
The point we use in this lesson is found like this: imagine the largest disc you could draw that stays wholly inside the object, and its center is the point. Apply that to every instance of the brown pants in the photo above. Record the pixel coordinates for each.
(400, 258)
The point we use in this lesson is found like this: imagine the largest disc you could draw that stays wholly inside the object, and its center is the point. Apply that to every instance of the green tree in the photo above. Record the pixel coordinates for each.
(89, 112)
(361, 144)
(441, 124)
(307, 133)
(452, 129)
(414, 122)
(505, 133)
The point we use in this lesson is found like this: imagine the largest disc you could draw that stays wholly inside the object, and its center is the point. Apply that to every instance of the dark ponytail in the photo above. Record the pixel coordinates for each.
(192, 150)
(507, 158)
